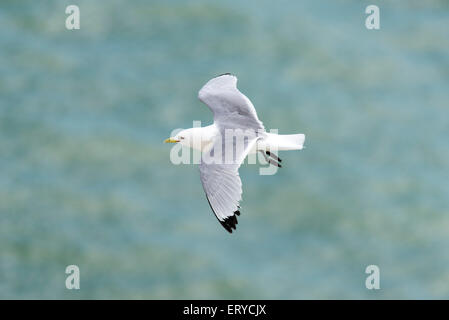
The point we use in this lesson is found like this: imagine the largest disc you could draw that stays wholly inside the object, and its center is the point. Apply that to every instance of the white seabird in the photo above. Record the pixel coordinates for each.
(233, 112)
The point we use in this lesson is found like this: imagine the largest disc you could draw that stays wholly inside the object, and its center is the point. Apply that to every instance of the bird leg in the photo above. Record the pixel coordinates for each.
(275, 157)
(271, 161)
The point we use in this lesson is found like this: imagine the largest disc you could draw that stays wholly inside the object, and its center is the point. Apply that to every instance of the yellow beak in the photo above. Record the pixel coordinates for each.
(171, 140)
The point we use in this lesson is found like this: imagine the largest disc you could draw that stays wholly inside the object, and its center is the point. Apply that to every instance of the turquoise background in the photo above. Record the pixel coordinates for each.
(85, 178)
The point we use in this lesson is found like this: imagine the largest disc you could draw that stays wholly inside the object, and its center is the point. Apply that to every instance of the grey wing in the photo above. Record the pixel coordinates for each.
(231, 108)
(223, 187)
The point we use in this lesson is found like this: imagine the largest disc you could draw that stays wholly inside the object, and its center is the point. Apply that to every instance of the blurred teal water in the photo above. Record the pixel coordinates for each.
(85, 178)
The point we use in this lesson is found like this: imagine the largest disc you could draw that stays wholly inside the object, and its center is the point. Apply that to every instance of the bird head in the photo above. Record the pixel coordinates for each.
(191, 138)
(183, 137)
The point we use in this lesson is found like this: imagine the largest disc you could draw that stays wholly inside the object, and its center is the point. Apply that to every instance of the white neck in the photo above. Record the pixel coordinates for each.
(200, 138)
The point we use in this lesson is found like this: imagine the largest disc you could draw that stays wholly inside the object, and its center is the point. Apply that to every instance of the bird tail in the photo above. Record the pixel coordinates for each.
(292, 141)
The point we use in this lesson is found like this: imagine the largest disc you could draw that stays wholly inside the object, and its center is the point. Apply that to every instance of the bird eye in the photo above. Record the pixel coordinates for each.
(181, 138)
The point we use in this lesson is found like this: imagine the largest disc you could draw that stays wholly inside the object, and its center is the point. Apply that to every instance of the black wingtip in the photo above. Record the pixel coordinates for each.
(230, 222)
(224, 74)
(228, 228)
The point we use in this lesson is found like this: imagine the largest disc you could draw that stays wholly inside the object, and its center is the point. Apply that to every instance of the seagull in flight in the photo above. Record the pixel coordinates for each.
(235, 133)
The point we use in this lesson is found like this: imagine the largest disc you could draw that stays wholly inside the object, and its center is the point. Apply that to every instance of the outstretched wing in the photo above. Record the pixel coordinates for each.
(223, 189)
(231, 108)
(222, 184)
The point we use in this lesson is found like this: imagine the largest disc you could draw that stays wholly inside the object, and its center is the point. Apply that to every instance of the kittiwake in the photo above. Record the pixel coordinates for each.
(235, 133)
